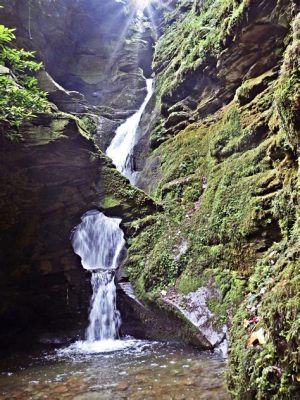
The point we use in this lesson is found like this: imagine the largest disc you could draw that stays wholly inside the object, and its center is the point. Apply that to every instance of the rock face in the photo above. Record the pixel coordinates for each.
(223, 161)
(66, 101)
(54, 172)
(209, 79)
(48, 181)
(97, 48)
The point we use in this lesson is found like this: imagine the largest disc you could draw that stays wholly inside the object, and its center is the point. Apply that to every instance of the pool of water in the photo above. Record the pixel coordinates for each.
(128, 369)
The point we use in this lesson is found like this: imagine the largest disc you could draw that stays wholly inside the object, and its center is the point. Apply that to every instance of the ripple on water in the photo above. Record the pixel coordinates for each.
(131, 369)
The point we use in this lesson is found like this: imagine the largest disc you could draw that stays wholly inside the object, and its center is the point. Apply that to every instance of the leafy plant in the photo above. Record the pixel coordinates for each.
(20, 96)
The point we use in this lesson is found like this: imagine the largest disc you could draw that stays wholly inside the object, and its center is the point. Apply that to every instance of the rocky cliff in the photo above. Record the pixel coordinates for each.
(218, 151)
(223, 159)
(52, 170)
(96, 48)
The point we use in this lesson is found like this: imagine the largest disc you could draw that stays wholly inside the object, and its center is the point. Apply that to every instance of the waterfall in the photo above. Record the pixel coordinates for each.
(99, 241)
(122, 145)
(105, 319)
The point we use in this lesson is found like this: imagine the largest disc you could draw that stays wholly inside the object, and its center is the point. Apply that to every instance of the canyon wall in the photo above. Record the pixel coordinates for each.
(218, 246)
(223, 148)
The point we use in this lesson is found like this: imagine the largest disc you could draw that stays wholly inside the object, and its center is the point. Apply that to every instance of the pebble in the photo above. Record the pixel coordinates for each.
(140, 378)
(61, 389)
(189, 382)
(122, 386)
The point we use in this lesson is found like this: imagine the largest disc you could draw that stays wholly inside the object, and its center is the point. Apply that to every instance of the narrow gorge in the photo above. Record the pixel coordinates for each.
(149, 206)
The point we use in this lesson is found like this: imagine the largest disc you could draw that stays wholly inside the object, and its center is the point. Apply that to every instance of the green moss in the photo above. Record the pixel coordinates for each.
(232, 287)
(269, 370)
(189, 283)
(110, 202)
(287, 94)
(195, 38)
(88, 125)
(251, 87)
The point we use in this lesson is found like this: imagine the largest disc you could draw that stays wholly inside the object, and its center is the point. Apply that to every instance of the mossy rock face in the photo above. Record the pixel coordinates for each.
(228, 183)
(268, 368)
(287, 92)
(207, 52)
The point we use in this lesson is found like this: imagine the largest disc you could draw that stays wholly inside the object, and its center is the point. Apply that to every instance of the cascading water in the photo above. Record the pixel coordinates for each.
(122, 145)
(105, 319)
(99, 241)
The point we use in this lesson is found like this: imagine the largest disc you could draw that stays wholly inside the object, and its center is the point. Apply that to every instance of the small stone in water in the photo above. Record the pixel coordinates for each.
(60, 389)
(122, 386)
(189, 382)
(140, 378)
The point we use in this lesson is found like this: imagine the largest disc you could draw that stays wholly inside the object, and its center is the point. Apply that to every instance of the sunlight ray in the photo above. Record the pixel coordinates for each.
(121, 40)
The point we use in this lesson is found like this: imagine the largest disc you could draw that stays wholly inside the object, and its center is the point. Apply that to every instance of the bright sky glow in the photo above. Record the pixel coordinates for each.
(141, 4)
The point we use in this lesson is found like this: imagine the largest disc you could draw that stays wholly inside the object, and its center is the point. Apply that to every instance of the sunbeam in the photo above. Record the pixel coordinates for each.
(121, 41)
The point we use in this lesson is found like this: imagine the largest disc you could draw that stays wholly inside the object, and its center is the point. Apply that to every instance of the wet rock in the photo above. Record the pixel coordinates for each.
(195, 309)
(67, 101)
(140, 377)
(189, 382)
(106, 129)
(60, 389)
(122, 386)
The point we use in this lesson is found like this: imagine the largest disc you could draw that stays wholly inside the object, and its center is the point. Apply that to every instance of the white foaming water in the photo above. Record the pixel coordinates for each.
(105, 319)
(83, 347)
(99, 241)
(122, 145)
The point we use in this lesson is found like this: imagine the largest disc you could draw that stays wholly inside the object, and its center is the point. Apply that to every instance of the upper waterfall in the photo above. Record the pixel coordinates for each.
(122, 145)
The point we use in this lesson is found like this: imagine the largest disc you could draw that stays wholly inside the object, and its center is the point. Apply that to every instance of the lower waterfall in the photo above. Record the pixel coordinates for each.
(99, 241)
(105, 319)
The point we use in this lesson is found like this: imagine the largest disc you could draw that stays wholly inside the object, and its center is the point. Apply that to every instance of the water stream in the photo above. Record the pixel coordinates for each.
(122, 145)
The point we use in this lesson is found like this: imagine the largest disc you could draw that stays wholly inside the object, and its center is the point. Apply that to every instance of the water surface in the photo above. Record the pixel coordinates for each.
(141, 370)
